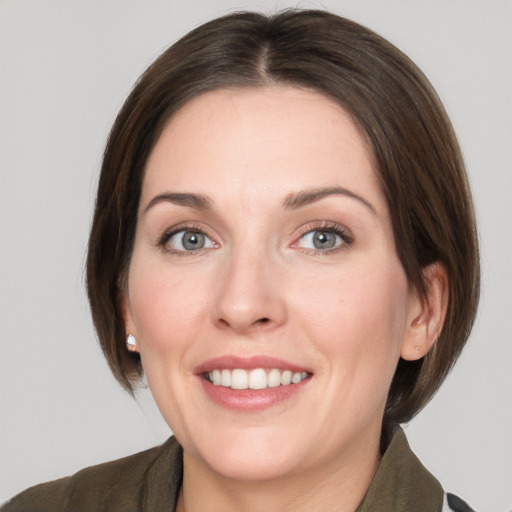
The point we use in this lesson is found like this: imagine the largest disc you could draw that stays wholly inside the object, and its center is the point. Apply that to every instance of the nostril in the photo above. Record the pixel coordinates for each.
(244, 322)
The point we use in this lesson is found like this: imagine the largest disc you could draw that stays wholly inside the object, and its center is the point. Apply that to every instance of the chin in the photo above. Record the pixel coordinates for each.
(253, 466)
(249, 454)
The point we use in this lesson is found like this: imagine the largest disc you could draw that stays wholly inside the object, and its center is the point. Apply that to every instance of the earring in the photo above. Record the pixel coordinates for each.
(131, 344)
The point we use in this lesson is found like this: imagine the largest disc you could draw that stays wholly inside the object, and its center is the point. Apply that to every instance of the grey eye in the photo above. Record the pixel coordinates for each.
(187, 240)
(324, 240)
(319, 240)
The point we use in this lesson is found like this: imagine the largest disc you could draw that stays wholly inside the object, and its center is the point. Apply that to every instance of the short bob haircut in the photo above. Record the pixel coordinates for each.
(416, 156)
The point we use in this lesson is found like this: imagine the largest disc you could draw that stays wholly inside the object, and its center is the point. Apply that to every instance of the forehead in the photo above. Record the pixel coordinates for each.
(262, 140)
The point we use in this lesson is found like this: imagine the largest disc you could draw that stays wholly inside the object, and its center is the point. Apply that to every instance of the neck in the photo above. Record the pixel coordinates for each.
(339, 484)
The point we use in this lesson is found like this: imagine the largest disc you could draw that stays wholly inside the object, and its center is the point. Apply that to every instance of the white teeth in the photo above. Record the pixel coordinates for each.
(286, 378)
(274, 378)
(259, 378)
(215, 377)
(225, 378)
(239, 379)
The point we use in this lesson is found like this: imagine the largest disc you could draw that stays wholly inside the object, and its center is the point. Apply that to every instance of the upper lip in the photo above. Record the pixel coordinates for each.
(231, 362)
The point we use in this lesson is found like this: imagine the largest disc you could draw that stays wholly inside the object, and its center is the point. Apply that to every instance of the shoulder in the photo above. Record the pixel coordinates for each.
(114, 486)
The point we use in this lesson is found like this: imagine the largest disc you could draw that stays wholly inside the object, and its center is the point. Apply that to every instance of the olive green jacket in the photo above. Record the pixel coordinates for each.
(150, 481)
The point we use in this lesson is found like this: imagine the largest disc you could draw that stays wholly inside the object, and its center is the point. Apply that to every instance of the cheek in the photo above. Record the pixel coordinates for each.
(356, 324)
(357, 318)
(166, 306)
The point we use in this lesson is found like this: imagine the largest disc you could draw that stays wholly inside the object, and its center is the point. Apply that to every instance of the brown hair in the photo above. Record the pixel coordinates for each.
(416, 154)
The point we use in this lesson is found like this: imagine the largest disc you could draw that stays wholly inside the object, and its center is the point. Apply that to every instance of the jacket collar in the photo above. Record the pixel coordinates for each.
(402, 483)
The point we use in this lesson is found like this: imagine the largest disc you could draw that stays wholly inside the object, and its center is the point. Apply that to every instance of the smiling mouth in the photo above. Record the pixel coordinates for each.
(258, 378)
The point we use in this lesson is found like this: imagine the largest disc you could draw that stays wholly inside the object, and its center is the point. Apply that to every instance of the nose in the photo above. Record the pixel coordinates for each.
(251, 296)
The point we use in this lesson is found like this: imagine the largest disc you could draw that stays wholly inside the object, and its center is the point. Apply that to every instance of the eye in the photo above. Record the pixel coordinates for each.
(320, 240)
(324, 239)
(187, 240)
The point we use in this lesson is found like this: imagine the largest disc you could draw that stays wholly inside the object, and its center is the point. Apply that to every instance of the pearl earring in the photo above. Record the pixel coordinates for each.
(131, 344)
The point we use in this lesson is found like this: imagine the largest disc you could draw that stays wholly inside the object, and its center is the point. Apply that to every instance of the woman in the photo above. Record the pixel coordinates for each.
(284, 242)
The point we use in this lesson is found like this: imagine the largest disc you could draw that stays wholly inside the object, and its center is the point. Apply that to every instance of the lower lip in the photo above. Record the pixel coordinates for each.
(248, 400)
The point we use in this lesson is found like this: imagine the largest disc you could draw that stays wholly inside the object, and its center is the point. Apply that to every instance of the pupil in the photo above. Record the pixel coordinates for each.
(324, 240)
(193, 241)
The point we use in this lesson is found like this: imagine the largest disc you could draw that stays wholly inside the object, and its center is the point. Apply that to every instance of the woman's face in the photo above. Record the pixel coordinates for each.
(263, 252)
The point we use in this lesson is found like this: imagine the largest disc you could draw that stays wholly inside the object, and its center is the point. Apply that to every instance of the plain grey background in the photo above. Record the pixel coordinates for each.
(65, 69)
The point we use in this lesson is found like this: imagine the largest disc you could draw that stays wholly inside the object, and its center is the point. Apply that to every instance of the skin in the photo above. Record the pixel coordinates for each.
(260, 287)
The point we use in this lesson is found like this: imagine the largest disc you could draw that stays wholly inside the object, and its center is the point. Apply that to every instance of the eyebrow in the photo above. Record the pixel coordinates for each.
(293, 201)
(305, 197)
(196, 201)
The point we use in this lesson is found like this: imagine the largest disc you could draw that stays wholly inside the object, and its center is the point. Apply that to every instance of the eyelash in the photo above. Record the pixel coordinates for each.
(346, 236)
(330, 227)
(164, 239)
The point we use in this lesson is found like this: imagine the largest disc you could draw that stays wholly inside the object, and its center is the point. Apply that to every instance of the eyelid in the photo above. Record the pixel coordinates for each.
(334, 227)
(342, 231)
(185, 226)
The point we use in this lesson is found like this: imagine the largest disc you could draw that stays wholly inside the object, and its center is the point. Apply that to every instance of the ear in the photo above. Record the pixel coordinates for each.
(426, 314)
(129, 323)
